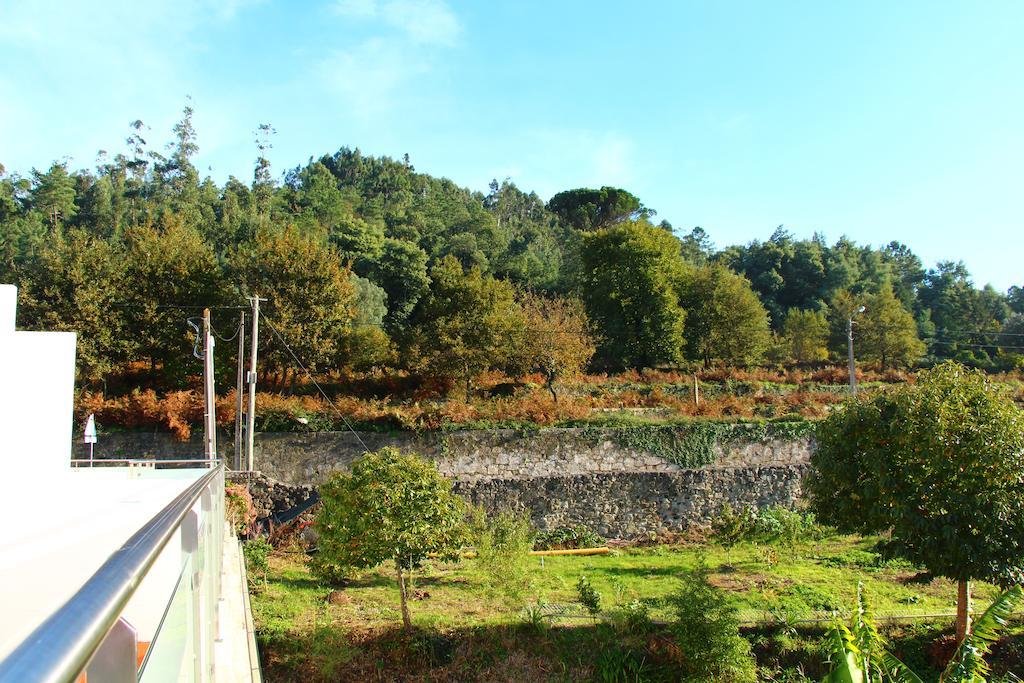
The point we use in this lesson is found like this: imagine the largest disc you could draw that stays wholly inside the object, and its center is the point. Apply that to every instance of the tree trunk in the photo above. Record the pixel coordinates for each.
(551, 387)
(406, 621)
(963, 609)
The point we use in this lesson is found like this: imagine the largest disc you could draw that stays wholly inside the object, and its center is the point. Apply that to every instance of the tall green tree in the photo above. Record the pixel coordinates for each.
(936, 463)
(887, 332)
(589, 209)
(628, 277)
(74, 284)
(468, 324)
(170, 274)
(53, 194)
(724, 317)
(806, 335)
(402, 271)
(310, 297)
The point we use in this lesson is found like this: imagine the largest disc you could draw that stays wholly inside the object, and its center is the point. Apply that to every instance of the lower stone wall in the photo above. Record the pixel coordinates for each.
(636, 504)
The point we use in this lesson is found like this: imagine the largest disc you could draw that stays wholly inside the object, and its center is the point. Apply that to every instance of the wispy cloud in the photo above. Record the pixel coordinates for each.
(427, 22)
(369, 75)
(375, 74)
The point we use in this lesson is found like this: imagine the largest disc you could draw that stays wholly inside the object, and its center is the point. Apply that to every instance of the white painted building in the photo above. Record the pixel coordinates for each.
(175, 596)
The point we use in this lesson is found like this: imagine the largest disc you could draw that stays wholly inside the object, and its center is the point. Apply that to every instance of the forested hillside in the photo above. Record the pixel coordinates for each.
(367, 263)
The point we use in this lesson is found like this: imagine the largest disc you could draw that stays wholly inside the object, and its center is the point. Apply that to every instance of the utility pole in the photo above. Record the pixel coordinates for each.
(251, 381)
(239, 391)
(849, 347)
(209, 396)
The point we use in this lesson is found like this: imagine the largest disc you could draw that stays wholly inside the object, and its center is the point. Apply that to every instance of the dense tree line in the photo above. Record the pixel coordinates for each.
(366, 262)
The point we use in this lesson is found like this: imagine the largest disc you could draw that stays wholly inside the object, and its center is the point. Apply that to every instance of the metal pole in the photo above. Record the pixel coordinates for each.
(849, 345)
(251, 380)
(209, 397)
(239, 391)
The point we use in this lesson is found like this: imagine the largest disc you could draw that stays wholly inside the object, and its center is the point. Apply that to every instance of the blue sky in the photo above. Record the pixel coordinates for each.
(878, 120)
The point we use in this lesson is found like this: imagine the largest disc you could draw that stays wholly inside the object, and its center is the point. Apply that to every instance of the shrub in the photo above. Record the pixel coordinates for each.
(257, 553)
(589, 597)
(768, 525)
(503, 544)
(390, 507)
(239, 508)
(568, 538)
(707, 632)
(633, 617)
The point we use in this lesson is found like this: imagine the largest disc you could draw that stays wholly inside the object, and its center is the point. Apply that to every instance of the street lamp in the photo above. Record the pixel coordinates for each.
(849, 346)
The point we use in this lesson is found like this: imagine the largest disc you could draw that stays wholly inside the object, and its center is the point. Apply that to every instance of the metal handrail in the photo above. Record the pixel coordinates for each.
(145, 461)
(60, 648)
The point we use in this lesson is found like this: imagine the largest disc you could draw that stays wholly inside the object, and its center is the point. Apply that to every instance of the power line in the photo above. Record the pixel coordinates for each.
(315, 383)
(982, 332)
(974, 346)
(187, 307)
(229, 339)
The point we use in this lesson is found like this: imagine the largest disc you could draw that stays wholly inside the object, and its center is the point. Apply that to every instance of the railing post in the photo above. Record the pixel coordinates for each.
(116, 659)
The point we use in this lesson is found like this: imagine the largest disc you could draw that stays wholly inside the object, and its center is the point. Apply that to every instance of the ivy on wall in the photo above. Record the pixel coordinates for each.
(692, 444)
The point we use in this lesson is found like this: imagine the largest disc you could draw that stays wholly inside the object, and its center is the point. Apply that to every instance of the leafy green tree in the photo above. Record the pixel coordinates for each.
(391, 507)
(556, 342)
(806, 335)
(53, 194)
(628, 277)
(936, 463)
(170, 274)
(965, 318)
(697, 247)
(533, 256)
(97, 214)
(1011, 335)
(588, 209)
(74, 284)
(310, 298)
(724, 318)
(907, 272)
(402, 271)
(887, 332)
(1015, 299)
(365, 345)
(468, 324)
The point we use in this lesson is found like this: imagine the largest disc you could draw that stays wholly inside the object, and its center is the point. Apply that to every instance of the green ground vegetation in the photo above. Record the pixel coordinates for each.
(469, 626)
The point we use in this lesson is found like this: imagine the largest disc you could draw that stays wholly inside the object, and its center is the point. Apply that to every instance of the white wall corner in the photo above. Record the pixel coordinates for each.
(8, 307)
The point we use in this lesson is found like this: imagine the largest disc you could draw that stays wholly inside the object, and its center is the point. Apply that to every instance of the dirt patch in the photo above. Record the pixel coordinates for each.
(339, 598)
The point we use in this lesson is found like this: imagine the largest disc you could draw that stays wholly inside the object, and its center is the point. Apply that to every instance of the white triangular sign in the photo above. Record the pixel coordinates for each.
(90, 430)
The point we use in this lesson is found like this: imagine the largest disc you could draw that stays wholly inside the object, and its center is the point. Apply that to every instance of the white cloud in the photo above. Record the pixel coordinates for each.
(369, 76)
(374, 75)
(425, 22)
(356, 8)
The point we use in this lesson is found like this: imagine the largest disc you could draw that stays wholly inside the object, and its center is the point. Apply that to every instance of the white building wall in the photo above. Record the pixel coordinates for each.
(37, 373)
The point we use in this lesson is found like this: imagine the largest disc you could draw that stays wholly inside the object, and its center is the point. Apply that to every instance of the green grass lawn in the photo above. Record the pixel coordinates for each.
(470, 626)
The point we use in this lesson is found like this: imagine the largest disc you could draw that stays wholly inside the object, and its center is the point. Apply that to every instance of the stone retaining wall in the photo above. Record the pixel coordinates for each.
(560, 476)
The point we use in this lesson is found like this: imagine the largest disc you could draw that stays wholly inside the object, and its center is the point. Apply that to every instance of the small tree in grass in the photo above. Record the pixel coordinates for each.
(940, 464)
(391, 507)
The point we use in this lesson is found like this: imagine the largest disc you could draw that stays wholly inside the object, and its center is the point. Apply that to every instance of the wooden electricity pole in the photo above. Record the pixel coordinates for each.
(239, 391)
(251, 381)
(209, 395)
